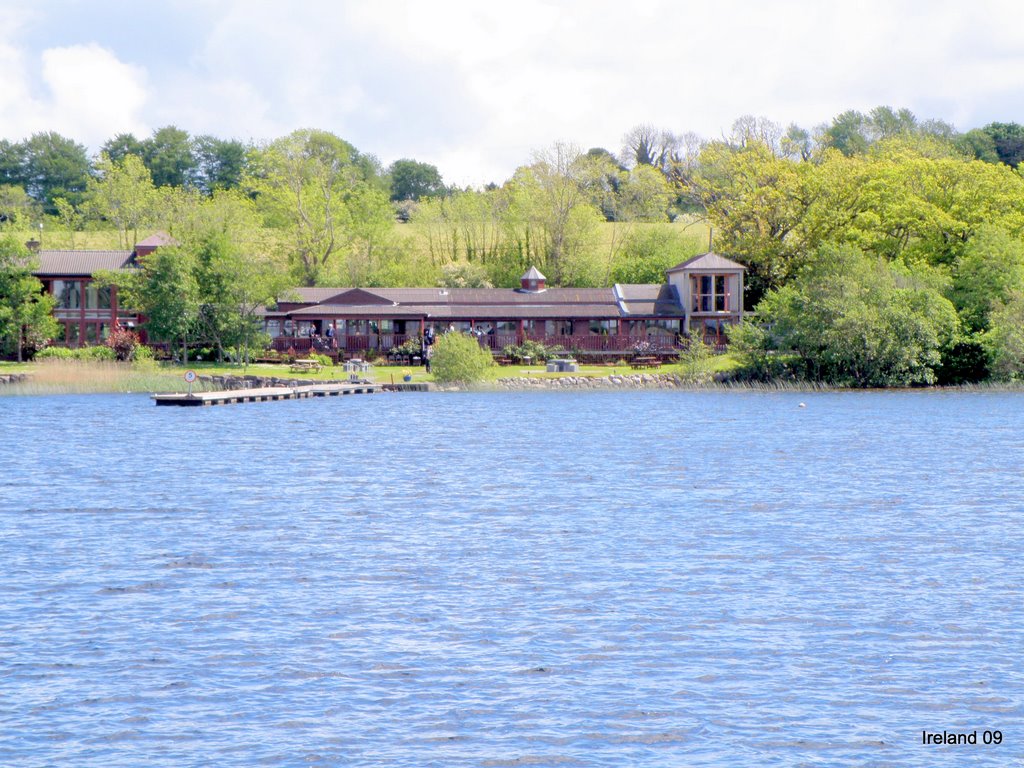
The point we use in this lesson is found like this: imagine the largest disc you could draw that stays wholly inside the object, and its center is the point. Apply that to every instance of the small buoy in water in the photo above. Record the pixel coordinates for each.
(803, 405)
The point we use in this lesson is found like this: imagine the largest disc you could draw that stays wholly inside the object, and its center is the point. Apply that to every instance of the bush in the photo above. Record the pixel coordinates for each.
(124, 343)
(695, 361)
(96, 353)
(534, 350)
(324, 360)
(82, 353)
(55, 353)
(459, 359)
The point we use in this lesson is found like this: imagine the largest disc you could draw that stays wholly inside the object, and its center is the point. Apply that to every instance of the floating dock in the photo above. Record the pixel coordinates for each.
(265, 394)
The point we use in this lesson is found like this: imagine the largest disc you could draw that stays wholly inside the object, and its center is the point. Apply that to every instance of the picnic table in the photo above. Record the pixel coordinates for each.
(645, 362)
(306, 366)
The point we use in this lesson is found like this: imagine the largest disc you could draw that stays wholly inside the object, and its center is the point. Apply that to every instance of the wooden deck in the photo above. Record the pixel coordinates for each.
(265, 394)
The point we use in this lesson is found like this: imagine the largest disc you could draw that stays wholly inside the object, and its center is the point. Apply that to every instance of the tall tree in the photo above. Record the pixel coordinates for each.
(168, 156)
(413, 180)
(26, 319)
(220, 164)
(550, 220)
(55, 166)
(122, 145)
(305, 185)
(166, 291)
(124, 195)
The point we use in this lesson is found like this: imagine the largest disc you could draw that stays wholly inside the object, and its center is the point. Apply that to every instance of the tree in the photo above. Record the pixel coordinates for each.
(648, 252)
(459, 359)
(755, 130)
(305, 184)
(17, 209)
(12, 163)
(124, 195)
(549, 222)
(168, 156)
(849, 133)
(854, 319)
(232, 287)
(796, 143)
(412, 180)
(166, 291)
(988, 276)
(55, 166)
(1009, 141)
(1004, 340)
(978, 144)
(122, 145)
(464, 274)
(26, 319)
(220, 164)
(646, 145)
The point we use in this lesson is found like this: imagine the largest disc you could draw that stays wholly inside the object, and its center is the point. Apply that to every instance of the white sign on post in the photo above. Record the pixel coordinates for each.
(190, 376)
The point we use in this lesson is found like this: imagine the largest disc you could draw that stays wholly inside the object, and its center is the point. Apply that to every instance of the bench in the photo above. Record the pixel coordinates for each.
(306, 366)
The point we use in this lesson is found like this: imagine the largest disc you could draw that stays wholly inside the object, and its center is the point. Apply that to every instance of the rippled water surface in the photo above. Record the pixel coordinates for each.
(591, 579)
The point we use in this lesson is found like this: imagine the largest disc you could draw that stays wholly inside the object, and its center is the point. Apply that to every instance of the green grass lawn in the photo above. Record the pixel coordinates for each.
(75, 376)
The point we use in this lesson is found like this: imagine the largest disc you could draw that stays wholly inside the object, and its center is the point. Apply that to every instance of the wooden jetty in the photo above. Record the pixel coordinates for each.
(265, 394)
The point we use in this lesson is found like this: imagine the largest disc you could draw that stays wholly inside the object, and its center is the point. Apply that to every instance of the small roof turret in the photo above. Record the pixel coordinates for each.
(532, 281)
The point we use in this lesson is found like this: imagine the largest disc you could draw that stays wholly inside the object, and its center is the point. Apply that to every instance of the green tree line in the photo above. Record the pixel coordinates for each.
(916, 214)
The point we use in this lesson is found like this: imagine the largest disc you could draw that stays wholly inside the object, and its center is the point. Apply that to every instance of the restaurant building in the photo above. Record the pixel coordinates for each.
(700, 297)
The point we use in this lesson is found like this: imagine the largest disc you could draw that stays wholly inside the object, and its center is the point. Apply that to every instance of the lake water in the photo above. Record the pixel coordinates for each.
(584, 579)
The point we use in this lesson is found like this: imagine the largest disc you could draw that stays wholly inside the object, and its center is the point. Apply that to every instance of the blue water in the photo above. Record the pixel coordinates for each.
(586, 579)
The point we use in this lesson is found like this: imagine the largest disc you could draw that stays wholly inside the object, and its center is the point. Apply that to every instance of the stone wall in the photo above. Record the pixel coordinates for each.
(625, 381)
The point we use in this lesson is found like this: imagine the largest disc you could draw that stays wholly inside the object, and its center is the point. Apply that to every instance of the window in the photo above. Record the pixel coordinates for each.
(97, 298)
(558, 327)
(604, 327)
(67, 293)
(709, 293)
(662, 327)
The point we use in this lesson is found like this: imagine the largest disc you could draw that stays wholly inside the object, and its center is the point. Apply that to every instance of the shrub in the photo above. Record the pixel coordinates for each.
(695, 361)
(459, 359)
(124, 343)
(411, 346)
(324, 360)
(96, 353)
(82, 353)
(534, 350)
(55, 353)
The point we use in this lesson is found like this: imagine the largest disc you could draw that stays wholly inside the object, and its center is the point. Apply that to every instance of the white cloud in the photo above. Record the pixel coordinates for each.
(92, 95)
(475, 87)
(81, 91)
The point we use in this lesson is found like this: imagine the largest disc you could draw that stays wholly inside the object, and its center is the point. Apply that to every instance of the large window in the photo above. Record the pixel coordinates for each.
(97, 298)
(709, 293)
(68, 294)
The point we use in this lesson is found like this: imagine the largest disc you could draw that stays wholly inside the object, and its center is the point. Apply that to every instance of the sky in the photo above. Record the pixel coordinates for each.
(476, 87)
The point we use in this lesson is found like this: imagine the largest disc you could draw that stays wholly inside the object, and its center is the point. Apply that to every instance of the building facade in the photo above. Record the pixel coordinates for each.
(700, 298)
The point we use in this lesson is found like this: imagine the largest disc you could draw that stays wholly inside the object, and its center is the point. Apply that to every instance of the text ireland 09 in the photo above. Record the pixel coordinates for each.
(962, 737)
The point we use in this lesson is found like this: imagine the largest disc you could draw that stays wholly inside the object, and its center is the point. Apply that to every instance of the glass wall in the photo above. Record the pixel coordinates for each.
(67, 294)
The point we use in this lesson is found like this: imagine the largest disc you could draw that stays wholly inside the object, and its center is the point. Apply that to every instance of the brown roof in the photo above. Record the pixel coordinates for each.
(649, 300)
(458, 311)
(156, 240)
(707, 261)
(80, 263)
